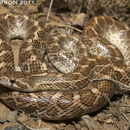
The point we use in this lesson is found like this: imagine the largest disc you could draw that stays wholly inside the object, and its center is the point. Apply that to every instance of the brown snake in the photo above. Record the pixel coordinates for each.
(87, 73)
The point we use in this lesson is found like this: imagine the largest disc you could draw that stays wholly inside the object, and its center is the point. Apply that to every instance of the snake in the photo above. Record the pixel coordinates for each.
(56, 75)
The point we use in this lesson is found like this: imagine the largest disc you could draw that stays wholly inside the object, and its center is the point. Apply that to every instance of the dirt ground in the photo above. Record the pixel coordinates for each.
(114, 116)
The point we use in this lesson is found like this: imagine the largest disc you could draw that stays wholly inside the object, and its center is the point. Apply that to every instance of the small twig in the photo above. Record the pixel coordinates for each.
(63, 25)
(124, 115)
(49, 10)
(79, 10)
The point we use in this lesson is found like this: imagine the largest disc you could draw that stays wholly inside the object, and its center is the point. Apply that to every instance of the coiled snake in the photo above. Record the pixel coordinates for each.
(87, 72)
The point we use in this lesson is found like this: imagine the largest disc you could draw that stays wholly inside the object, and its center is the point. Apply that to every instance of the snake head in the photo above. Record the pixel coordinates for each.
(14, 84)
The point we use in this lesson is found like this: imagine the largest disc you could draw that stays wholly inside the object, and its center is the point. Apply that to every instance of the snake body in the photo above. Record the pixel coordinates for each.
(87, 73)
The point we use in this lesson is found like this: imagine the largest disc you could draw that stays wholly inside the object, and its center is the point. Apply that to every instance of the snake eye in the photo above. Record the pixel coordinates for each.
(12, 81)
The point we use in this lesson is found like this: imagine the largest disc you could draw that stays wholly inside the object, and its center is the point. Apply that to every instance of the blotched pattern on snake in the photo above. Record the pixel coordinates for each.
(57, 76)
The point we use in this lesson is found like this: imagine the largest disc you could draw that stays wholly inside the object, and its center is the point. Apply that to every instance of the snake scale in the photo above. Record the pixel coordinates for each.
(88, 71)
